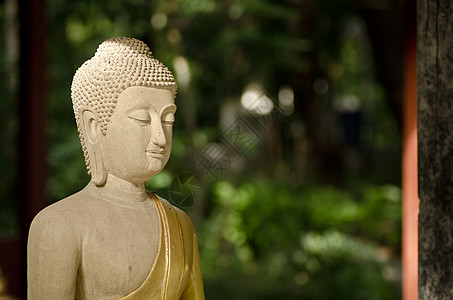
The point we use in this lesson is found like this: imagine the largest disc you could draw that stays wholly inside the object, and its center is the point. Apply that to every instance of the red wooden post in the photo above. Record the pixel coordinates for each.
(409, 180)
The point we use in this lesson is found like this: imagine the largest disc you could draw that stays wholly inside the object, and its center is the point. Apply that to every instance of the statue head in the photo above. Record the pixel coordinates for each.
(123, 75)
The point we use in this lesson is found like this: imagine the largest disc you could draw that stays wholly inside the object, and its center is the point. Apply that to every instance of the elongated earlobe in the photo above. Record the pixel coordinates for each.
(92, 134)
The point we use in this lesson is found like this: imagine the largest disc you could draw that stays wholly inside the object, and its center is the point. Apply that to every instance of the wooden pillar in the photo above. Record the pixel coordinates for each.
(435, 147)
(31, 181)
(409, 180)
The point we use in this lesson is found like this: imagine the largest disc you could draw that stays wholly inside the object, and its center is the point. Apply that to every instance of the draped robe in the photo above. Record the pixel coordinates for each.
(176, 270)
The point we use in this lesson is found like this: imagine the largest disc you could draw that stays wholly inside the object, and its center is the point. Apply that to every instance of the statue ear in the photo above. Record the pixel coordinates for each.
(91, 131)
(90, 125)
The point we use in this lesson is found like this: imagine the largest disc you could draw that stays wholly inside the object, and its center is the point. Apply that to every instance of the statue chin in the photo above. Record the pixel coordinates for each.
(136, 171)
(135, 179)
(153, 169)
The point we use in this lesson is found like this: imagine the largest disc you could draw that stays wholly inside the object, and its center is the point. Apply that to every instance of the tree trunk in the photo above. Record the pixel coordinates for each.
(435, 144)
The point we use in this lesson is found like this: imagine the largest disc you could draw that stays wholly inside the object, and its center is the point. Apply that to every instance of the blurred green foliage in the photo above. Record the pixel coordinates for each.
(313, 210)
(265, 240)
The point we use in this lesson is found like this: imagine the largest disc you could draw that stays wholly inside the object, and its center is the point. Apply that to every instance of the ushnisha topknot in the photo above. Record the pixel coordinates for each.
(118, 63)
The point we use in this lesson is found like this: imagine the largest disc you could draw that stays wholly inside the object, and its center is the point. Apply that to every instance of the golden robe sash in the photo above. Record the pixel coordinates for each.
(173, 275)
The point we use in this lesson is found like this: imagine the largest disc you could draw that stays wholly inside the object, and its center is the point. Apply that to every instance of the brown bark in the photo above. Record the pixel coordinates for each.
(435, 144)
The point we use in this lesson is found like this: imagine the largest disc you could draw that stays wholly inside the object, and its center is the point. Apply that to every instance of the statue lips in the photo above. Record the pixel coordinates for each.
(156, 153)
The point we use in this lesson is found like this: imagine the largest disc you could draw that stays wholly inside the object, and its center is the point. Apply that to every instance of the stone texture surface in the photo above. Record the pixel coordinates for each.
(435, 147)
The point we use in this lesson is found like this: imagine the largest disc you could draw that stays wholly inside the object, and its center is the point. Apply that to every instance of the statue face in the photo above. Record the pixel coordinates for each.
(139, 136)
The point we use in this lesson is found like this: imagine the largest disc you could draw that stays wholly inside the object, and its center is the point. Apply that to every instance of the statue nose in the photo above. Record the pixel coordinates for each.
(157, 134)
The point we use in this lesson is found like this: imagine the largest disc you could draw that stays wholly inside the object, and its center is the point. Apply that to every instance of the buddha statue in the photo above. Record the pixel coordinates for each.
(113, 239)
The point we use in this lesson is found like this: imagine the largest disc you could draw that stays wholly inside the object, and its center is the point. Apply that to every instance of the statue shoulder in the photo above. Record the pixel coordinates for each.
(61, 216)
(54, 232)
(184, 219)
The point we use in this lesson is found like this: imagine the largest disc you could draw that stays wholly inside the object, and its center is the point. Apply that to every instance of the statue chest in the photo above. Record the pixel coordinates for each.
(117, 253)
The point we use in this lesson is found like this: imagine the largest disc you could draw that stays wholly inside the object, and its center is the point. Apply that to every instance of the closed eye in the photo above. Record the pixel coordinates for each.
(168, 119)
(144, 121)
(141, 116)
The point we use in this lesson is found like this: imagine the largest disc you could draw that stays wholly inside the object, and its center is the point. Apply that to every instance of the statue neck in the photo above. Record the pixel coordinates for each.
(115, 187)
